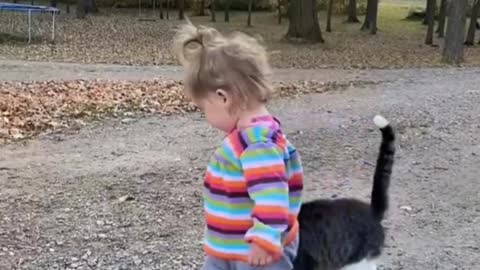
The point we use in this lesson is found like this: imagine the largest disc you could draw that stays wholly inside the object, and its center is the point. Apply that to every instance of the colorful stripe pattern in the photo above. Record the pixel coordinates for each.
(253, 189)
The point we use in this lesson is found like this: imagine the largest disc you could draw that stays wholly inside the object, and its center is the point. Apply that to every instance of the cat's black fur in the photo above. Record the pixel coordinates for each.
(336, 233)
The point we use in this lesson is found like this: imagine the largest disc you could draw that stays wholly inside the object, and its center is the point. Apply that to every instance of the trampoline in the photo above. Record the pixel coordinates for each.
(29, 9)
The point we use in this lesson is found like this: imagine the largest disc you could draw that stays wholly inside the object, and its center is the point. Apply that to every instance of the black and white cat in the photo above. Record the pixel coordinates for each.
(346, 234)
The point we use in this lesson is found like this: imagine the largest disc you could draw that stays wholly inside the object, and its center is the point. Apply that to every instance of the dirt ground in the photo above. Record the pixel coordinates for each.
(128, 195)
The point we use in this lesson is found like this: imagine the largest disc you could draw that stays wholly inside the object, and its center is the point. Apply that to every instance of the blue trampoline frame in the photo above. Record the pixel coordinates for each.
(29, 9)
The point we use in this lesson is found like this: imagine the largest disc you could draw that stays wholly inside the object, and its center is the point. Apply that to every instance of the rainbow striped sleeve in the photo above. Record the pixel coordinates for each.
(267, 185)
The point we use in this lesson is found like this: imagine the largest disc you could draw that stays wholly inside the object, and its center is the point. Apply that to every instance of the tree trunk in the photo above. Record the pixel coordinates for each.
(427, 10)
(473, 24)
(249, 20)
(53, 3)
(168, 10)
(431, 22)
(68, 7)
(81, 9)
(366, 23)
(198, 7)
(93, 6)
(227, 10)
(453, 50)
(161, 9)
(304, 21)
(371, 17)
(212, 10)
(442, 18)
(279, 2)
(329, 16)
(352, 12)
(181, 9)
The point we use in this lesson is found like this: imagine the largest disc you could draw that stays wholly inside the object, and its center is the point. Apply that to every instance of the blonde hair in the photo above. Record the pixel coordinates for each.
(235, 63)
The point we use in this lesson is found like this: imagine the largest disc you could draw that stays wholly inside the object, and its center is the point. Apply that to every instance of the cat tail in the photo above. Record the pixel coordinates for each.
(383, 169)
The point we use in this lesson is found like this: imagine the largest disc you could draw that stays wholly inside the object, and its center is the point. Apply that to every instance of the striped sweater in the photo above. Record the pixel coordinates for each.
(253, 187)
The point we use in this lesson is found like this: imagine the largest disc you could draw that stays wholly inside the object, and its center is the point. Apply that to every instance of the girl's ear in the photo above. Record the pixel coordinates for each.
(224, 96)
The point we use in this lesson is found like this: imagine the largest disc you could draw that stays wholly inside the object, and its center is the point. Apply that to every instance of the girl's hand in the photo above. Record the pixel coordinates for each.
(258, 256)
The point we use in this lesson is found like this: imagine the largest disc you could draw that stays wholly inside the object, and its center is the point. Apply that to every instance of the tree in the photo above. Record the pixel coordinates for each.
(371, 17)
(91, 6)
(227, 10)
(161, 9)
(86, 6)
(428, 10)
(81, 9)
(304, 24)
(329, 16)
(431, 22)
(352, 12)
(249, 20)
(279, 7)
(453, 48)
(442, 18)
(473, 24)
(198, 8)
(181, 9)
(53, 3)
(167, 13)
(212, 10)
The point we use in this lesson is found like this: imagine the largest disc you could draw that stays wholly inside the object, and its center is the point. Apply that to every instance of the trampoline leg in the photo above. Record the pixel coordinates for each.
(29, 26)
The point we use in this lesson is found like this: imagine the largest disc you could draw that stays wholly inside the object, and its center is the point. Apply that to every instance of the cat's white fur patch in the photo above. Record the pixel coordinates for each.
(380, 121)
(362, 265)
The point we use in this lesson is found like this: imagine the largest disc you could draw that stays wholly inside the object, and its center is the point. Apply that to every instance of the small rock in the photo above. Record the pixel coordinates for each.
(18, 136)
(127, 120)
(92, 261)
(406, 208)
(79, 123)
(126, 198)
(87, 254)
(136, 260)
(100, 223)
(54, 124)
(102, 235)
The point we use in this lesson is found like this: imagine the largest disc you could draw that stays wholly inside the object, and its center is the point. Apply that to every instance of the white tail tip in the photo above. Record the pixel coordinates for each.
(380, 121)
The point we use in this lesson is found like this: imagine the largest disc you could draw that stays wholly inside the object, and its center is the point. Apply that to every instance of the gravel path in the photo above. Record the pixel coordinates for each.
(128, 196)
(39, 71)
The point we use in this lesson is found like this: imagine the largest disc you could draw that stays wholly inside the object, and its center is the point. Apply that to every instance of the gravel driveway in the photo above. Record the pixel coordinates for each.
(128, 195)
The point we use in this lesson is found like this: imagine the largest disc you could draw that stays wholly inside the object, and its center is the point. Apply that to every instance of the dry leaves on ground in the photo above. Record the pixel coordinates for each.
(30, 108)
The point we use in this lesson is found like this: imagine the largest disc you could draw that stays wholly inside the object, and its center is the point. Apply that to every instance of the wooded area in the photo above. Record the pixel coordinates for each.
(302, 21)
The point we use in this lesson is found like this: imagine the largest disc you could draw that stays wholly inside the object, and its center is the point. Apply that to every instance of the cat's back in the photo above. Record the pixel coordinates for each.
(331, 210)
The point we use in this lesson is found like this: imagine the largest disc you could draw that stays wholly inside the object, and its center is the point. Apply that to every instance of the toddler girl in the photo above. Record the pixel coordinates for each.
(254, 181)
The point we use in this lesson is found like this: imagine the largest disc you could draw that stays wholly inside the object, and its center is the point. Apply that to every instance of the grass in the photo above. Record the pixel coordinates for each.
(118, 36)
